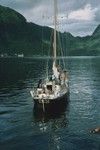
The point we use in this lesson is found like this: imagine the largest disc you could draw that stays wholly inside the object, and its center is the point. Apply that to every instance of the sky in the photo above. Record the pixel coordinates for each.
(79, 17)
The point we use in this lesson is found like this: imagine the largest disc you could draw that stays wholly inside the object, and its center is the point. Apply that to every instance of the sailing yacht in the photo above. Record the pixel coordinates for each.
(53, 90)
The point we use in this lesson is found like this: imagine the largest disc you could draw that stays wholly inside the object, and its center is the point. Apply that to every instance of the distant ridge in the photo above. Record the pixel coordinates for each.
(97, 31)
(19, 36)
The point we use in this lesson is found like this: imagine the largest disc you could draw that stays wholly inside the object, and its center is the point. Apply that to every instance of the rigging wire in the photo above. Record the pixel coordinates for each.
(60, 47)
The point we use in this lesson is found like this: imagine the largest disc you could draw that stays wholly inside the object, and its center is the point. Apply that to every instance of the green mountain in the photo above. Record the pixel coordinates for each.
(19, 36)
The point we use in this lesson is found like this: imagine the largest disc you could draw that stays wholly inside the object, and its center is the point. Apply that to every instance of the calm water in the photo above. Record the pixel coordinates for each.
(22, 128)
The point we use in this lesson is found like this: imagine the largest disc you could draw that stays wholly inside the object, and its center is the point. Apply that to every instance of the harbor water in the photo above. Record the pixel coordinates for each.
(24, 127)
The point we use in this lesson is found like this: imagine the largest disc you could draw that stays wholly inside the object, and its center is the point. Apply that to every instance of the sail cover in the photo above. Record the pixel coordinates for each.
(55, 71)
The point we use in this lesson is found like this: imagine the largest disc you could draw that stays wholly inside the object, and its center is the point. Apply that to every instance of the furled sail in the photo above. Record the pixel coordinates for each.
(55, 70)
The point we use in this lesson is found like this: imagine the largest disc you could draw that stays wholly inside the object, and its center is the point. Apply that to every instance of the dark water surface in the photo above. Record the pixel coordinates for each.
(22, 128)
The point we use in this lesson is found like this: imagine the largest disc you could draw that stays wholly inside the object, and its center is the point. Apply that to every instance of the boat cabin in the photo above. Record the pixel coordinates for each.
(49, 86)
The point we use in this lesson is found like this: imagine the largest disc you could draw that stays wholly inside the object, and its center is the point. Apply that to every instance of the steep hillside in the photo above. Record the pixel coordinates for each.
(8, 15)
(18, 36)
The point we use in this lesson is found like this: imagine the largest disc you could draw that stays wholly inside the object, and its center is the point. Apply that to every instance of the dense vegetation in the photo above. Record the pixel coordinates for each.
(18, 36)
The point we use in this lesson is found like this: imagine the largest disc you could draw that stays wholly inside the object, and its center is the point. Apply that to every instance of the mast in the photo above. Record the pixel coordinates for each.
(55, 28)
(54, 68)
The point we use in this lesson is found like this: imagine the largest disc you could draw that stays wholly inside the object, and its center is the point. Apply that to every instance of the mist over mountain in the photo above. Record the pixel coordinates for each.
(19, 36)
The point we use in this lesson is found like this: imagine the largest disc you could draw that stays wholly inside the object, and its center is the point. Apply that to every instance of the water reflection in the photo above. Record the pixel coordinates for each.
(50, 123)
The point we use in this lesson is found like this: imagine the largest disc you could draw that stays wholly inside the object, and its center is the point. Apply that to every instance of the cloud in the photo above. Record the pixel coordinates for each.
(39, 14)
(80, 28)
(86, 13)
(97, 16)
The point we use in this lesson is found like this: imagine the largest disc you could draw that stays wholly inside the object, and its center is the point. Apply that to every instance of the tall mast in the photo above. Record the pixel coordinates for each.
(55, 28)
